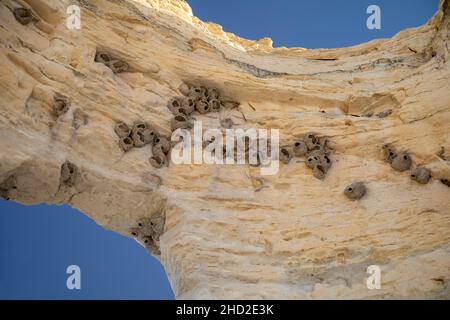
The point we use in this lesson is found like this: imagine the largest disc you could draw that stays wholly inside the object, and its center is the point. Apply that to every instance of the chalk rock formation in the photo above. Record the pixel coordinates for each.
(225, 231)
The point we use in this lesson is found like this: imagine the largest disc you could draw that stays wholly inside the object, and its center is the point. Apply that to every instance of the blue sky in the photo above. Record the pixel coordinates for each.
(38, 243)
(313, 23)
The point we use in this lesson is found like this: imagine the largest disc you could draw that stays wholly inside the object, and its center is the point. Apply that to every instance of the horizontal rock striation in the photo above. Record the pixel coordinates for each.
(226, 231)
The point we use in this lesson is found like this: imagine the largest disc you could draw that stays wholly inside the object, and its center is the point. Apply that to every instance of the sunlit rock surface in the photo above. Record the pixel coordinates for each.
(223, 236)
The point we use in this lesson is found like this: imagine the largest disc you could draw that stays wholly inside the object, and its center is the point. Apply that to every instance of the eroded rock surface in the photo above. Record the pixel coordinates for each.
(224, 231)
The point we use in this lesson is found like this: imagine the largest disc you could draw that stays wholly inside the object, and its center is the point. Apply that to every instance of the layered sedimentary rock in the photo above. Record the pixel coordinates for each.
(225, 231)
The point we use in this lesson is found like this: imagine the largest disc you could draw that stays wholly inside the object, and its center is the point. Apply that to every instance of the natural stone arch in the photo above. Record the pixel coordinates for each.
(223, 238)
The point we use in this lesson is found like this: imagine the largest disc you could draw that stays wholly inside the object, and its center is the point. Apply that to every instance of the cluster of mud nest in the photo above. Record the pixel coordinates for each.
(148, 231)
(198, 99)
(141, 134)
(401, 161)
(316, 150)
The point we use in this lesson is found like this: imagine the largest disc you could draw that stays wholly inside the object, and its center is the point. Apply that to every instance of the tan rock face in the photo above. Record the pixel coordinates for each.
(225, 231)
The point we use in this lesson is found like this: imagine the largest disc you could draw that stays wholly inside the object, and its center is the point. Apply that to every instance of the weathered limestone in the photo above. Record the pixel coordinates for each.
(225, 231)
